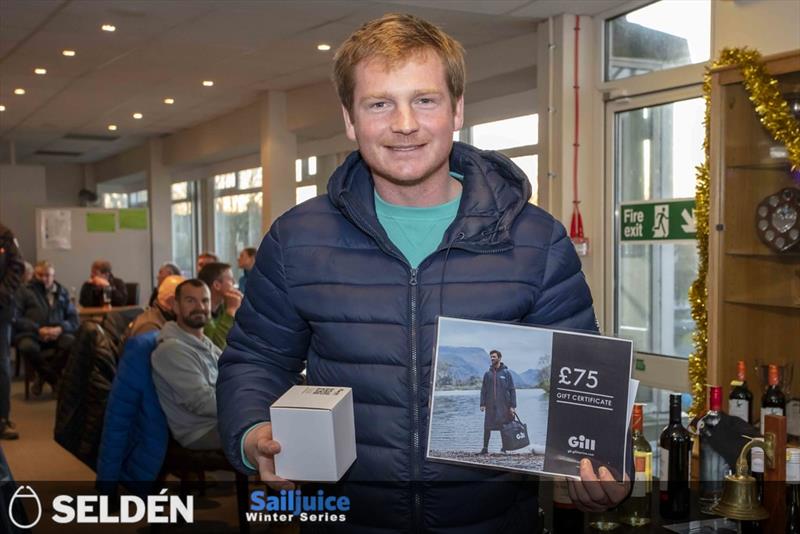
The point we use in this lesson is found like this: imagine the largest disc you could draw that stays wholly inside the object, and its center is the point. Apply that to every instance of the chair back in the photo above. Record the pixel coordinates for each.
(133, 293)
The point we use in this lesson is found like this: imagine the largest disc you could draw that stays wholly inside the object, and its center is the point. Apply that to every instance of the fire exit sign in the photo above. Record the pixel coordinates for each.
(657, 221)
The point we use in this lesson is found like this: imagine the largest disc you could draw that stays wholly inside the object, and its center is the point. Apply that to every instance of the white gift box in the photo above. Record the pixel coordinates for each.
(314, 425)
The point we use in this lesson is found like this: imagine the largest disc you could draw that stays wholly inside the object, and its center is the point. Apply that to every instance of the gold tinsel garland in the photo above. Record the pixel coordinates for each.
(774, 113)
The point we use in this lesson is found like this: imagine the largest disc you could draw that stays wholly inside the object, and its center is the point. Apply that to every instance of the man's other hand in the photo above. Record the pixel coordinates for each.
(233, 299)
(593, 493)
(260, 449)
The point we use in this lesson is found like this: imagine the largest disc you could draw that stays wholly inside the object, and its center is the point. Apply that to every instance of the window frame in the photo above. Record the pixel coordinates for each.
(684, 75)
(192, 197)
(660, 371)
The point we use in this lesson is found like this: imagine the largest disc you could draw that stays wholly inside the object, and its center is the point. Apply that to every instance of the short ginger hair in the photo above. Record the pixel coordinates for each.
(394, 39)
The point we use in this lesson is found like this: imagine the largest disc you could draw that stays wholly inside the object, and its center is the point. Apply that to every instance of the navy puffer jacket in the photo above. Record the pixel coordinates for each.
(330, 292)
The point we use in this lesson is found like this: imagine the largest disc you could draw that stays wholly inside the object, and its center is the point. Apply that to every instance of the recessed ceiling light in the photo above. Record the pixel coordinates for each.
(2, 107)
(40, 71)
(208, 83)
(169, 100)
(112, 127)
(68, 53)
(137, 115)
(323, 47)
(19, 91)
(108, 28)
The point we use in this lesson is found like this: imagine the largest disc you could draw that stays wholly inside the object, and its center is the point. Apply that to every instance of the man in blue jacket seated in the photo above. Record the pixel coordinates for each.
(348, 286)
(45, 326)
(185, 369)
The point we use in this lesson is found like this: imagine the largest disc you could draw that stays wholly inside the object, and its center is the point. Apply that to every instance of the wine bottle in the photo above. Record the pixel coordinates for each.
(740, 401)
(566, 517)
(774, 401)
(675, 457)
(757, 469)
(713, 466)
(792, 490)
(636, 510)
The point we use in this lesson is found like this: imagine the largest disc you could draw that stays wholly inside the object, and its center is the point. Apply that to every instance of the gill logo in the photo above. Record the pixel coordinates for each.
(581, 442)
(30, 495)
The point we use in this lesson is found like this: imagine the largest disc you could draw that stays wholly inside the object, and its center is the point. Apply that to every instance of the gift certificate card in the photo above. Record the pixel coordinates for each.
(523, 398)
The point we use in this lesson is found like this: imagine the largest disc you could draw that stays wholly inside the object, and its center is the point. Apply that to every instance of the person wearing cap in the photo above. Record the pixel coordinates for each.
(154, 317)
(167, 269)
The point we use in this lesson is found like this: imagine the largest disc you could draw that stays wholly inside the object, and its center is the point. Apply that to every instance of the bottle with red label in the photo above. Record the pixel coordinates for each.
(713, 466)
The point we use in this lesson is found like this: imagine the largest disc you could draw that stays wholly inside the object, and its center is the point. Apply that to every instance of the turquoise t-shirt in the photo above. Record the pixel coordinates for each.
(417, 232)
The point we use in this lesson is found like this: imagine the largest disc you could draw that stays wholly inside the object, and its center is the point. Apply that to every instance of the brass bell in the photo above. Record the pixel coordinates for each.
(739, 493)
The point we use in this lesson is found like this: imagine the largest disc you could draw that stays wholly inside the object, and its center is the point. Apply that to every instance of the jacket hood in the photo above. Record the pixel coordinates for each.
(494, 193)
(502, 367)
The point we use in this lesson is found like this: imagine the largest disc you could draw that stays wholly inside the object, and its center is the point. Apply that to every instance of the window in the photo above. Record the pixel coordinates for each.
(656, 149)
(184, 226)
(238, 202)
(517, 138)
(530, 166)
(659, 36)
(305, 174)
(304, 193)
(137, 199)
(115, 200)
(508, 133)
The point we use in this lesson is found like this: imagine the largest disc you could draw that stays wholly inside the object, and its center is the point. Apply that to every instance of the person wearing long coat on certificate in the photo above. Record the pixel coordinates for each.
(498, 398)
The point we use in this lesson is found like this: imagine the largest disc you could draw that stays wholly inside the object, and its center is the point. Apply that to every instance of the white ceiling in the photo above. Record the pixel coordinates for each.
(165, 48)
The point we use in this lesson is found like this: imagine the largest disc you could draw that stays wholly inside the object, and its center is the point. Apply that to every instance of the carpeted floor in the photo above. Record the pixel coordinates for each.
(35, 456)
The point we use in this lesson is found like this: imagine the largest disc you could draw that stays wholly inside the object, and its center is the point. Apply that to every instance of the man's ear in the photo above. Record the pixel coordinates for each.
(458, 115)
(348, 125)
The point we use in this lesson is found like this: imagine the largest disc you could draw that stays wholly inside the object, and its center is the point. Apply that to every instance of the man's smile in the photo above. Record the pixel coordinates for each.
(405, 148)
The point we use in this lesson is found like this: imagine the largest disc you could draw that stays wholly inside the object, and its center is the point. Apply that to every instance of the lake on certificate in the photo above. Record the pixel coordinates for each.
(458, 420)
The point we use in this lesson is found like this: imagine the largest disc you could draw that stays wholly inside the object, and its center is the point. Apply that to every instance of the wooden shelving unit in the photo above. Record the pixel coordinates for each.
(754, 293)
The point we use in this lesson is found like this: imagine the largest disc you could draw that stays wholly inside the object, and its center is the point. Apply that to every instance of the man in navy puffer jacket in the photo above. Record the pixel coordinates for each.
(349, 286)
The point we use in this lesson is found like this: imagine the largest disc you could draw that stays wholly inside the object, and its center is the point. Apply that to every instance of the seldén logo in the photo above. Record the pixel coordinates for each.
(581, 442)
(20, 522)
(159, 508)
(288, 505)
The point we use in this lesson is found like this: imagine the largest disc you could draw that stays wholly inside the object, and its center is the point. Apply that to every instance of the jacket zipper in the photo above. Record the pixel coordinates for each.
(415, 464)
(415, 467)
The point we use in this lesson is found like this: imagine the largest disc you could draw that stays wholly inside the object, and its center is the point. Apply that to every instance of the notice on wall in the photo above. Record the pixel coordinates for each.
(521, 398)
(56, 229)
(133, 219)
(657, 221)
(101, 221)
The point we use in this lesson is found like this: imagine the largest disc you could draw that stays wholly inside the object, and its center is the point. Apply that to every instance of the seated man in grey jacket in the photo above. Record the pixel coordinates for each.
(185, 369)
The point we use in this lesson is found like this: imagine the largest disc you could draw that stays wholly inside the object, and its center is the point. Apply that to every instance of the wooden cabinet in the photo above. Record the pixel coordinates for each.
(753, 292)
